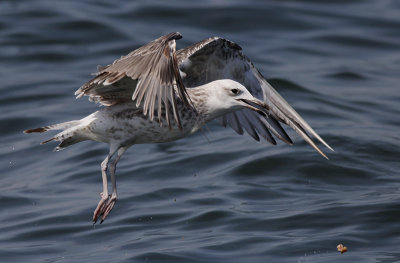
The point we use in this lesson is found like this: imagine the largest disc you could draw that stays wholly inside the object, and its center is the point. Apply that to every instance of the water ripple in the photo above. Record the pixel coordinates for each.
(215, 196)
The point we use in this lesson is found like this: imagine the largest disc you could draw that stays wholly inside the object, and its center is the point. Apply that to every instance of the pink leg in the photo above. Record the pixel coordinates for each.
(102, 205)
(104, 195)
(113, 198)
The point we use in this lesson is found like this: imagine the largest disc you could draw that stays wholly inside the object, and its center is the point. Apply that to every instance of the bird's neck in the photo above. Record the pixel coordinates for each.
(201, 99)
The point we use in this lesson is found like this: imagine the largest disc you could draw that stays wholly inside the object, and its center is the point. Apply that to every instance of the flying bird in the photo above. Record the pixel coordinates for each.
(156, 94)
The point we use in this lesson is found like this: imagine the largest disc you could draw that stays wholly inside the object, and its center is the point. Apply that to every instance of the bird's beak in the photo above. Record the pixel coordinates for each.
(255, 105)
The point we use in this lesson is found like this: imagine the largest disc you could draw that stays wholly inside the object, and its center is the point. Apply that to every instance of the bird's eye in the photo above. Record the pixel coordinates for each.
(235, 91)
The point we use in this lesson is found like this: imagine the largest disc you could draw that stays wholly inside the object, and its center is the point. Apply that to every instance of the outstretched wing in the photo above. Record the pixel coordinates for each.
(148, 74)
(217, 58)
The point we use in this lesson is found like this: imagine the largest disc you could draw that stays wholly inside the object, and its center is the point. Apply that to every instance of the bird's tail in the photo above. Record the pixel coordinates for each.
(70, 135)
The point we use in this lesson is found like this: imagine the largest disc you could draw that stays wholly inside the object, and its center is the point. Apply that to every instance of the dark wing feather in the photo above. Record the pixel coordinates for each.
(217, 58)
(148, 75)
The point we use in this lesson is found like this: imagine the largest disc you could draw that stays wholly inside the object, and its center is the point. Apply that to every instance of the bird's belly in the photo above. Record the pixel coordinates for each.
(138, 129)
(151, 132)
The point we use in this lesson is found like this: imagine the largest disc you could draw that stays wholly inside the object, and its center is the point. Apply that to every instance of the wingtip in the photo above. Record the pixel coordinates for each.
(316, 148)
(321, 140)
(324, 155)
(311, 130)
(174, 35)
(49, 140)
(329, 147)
(79, 93)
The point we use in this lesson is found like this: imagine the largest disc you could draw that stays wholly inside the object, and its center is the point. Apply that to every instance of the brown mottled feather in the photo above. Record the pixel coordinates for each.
(151, 76)
(155, 67)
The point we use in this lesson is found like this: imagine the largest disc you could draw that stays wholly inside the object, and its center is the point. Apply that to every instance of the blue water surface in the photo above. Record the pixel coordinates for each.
(215, 196)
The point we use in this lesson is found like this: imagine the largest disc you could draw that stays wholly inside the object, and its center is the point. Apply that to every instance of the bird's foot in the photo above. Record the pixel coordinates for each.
(108, 207)
(100, 207)
(104, 207)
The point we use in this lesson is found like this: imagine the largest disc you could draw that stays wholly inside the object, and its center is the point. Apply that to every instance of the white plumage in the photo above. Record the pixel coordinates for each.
(156, 94)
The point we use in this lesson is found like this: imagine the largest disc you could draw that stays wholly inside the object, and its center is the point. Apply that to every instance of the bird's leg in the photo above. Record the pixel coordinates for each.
(113, 198)
(104, 195)
(101, 207)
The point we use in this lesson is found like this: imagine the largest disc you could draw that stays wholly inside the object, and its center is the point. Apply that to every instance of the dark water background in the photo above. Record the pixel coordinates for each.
(230, 200)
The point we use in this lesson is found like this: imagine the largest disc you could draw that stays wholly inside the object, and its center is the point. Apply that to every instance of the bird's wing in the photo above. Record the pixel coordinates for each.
(148, 75)
(217, 58)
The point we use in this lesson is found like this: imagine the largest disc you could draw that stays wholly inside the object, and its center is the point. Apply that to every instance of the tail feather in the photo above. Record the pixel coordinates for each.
(70, 135)
(41, 129)
(49, 140)
(59, 126)
(67, 141)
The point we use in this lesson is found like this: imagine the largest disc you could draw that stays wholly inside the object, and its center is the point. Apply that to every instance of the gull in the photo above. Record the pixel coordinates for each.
(156, 94)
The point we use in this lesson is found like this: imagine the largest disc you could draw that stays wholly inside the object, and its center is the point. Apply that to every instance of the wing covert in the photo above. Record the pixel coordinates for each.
(217, 58)
(148, 75)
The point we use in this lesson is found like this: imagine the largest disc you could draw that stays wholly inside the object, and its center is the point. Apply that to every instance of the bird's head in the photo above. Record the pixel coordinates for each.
(227, 96)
